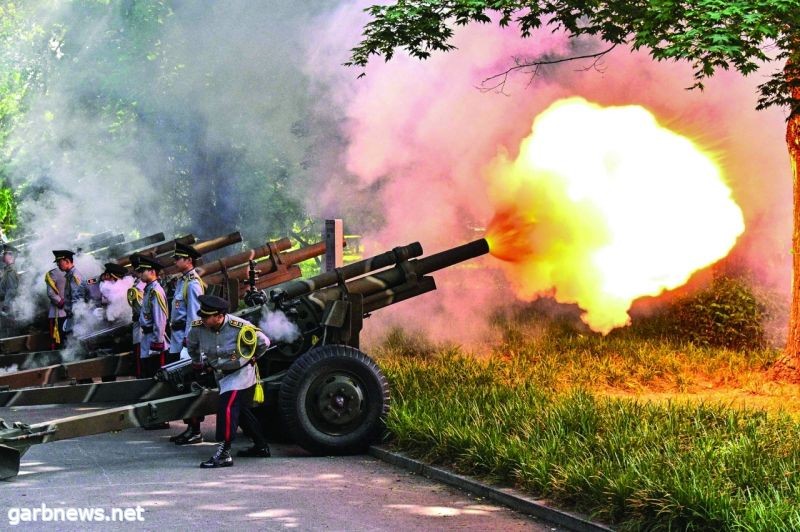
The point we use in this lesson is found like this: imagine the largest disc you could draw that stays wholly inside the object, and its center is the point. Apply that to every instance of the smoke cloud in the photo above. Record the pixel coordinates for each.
(240, 115)
(278, 327)
(421, 135)
(176, 117)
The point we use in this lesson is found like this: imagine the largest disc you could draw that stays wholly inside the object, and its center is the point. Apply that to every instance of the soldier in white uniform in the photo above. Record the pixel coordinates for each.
(230, 346)
(184, 310)
(64, 288)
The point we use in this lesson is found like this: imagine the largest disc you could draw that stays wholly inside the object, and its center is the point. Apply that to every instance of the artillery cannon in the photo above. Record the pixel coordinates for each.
(113, 341)
(331, 397)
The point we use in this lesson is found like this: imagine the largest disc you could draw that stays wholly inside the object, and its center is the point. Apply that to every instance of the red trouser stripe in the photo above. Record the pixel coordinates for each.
(163, 358)
(228, 416)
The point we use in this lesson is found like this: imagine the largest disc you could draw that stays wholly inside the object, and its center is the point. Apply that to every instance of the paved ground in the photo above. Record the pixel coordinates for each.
(291, 490)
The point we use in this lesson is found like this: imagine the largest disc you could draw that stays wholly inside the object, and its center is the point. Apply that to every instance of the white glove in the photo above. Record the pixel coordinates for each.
(184, 353)
(99, 313)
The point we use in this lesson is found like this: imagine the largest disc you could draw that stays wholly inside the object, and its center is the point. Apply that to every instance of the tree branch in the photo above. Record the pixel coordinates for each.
(499, 80)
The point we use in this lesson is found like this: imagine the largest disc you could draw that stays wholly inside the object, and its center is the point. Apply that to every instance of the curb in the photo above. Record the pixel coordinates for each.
(507, 497)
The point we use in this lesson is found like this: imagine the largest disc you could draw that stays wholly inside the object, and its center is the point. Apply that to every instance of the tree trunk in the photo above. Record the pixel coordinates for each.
(789, 367)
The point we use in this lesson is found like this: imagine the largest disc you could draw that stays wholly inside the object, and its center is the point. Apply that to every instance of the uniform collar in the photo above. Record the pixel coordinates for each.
(189, 273)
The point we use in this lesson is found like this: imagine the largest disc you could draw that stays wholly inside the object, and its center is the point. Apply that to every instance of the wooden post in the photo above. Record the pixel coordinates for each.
(333, 236)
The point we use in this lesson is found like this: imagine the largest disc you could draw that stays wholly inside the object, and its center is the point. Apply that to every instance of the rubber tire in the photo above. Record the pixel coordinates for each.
(316, 364)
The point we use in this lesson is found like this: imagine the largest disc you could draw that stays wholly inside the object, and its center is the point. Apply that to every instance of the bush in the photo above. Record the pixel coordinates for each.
(728, 313)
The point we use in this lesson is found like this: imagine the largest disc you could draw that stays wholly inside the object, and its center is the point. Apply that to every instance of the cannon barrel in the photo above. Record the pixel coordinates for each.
(177, 374)
(97, 339)
(204, 247)
(300, 287)
(270, 266)
(20, 240)
(243, 259)
(376, 283)
(117, 251)
(97, 243)
(159, 249)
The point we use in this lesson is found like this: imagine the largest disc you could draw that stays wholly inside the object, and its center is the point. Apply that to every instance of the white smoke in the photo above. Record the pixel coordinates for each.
(278, 327)
(9, 369)
(84, 319)
(115, 297)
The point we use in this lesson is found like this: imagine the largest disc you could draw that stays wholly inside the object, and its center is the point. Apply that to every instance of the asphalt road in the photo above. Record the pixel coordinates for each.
(160, 486)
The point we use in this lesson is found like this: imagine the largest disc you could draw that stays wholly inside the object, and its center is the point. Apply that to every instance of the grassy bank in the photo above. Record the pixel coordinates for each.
(539, 411)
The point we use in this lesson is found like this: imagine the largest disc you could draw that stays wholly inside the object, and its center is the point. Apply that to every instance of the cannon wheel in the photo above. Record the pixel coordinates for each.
(333, 400)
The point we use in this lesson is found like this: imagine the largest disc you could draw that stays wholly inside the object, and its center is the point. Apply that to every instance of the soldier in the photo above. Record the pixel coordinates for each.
(8, 289)
(135, 296)
(64, 288)
(152, 318)
(185, 308)
(230, 346)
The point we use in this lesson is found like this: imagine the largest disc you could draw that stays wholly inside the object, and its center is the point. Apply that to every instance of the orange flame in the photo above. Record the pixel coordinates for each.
(603, 206)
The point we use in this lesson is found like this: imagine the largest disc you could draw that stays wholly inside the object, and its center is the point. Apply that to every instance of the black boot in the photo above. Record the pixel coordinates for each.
(157, 426)
(191, 439)
(256, 451)
(185, 434)
(221, 458)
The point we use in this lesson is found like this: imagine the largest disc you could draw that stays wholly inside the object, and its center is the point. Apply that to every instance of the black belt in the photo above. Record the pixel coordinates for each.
(226, 372)
(178, 325)
(147, 329)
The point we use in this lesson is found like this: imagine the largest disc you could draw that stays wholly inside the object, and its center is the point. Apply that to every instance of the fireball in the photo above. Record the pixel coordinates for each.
(603, 206)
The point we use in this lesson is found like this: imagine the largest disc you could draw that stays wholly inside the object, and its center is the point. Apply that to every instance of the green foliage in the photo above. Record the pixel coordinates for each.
(640, 466)
(728, 313)
(8, 209)
(709, 34)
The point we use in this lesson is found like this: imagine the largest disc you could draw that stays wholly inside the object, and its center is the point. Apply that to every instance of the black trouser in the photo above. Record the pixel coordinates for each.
(233, 410)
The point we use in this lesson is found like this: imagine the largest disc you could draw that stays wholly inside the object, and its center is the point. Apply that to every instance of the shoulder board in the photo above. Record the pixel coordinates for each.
(197, 323)
(236, 323)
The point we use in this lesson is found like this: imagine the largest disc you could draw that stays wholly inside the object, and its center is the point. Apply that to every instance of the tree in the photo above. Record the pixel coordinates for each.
(709, 34)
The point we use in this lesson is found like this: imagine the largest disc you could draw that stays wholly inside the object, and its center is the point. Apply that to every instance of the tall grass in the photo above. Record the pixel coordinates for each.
(541, 410)
(637, 465)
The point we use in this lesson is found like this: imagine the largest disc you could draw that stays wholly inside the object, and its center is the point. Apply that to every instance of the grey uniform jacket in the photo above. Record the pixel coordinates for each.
(8, 287)
(68, 286)
(55, 281)
(219, 349)
(185, 308)
(135, 297)
(153, 319)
